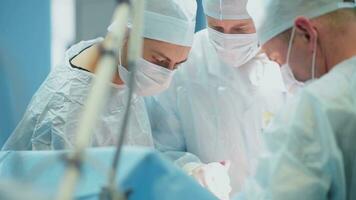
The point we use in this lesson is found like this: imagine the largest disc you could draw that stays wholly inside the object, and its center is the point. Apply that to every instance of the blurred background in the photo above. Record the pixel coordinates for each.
(33, 38)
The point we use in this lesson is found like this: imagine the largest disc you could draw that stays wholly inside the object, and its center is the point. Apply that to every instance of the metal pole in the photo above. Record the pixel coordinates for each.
(134, 52)
(96, 100)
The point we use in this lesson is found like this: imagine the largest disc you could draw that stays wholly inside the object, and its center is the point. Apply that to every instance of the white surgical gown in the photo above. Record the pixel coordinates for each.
(312, 143)
(214, 112)
(53, 114)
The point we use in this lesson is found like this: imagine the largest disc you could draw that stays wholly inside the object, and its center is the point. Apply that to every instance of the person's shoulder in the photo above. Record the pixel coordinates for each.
(65, 79)
(201, 34)
(80, 46)
(330, 92)
(328, 99)
(201, 39)
(197, 59)
(69, 72)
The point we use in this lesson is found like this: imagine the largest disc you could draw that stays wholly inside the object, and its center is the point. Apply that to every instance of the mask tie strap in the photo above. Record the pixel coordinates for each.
(290, 45)
(220, 9)
(314, 59)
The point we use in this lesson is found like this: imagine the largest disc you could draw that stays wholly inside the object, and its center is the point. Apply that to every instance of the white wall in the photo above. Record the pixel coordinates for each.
(63, 29)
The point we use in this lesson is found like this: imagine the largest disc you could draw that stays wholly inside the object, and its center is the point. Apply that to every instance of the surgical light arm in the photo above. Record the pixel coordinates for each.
(96, 100)
(134, 52)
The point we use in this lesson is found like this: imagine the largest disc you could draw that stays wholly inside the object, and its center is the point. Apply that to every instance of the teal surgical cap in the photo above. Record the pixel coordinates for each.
(226, 9)
(272, 17)
(171, 21)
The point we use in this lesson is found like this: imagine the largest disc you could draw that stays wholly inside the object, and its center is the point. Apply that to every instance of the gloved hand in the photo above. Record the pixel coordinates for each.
(213, 176)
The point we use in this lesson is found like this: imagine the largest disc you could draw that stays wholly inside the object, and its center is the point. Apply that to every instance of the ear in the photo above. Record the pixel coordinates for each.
(306, 28)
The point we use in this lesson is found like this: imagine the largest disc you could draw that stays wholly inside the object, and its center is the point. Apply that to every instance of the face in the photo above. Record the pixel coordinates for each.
(305, 42)
(241, 26)
(164, 54)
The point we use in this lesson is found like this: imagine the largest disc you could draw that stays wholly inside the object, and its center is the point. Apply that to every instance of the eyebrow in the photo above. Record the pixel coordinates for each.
(183, 61)
(218, 28)
(241, 25)
(165, 57)
(161, 54)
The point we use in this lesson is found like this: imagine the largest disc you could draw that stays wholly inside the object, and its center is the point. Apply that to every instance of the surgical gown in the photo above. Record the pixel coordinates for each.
(312, 143)
(213, 112)
(53, 114)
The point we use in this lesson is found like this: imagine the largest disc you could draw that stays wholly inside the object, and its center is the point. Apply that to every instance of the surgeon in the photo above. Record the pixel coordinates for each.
(209, 122)
(52, 116)
(311, 144)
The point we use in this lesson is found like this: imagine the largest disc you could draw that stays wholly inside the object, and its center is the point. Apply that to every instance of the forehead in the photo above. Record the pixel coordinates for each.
(169, 50)
(229, 22)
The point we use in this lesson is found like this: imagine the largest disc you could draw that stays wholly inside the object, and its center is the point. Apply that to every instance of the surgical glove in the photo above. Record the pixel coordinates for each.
(213, 176)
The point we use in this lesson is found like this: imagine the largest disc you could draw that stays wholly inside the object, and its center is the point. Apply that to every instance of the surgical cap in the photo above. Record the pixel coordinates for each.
(272, 17)
(226, 9)
(171, 21)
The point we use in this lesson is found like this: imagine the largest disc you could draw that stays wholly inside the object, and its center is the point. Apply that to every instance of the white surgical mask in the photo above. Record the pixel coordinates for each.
(149, 79)
(293, 85)
(290, 82)
(234, 49)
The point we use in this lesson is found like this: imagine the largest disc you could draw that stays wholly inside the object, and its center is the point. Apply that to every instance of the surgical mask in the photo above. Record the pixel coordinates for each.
(290, 82)
(234, 49)
(149, 79)
(289, 79)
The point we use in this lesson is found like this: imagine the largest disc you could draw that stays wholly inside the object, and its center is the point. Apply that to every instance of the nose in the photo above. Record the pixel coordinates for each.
(176, 66)
(172, 66)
